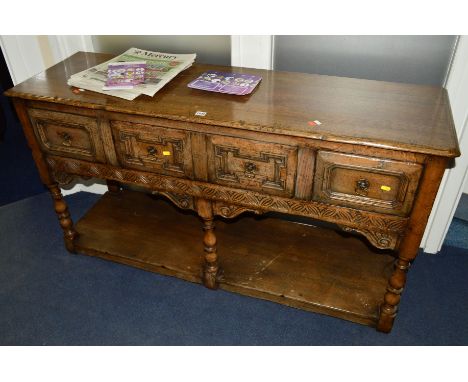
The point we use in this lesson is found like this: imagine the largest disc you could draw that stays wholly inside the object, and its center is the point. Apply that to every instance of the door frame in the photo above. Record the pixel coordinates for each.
(28, 55)
(454, 179)
(250, 51)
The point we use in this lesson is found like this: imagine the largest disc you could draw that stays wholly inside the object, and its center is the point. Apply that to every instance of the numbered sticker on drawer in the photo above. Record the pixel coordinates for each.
(385, 188)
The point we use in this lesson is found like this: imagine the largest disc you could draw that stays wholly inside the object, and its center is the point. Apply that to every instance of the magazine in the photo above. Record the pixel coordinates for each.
(160, 69)
(124, 75)
(231, 83)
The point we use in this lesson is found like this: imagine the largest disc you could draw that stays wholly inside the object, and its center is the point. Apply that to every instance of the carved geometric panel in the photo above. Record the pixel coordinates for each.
(152, 148)
(259, 166)
(374, 184)
(71, 135)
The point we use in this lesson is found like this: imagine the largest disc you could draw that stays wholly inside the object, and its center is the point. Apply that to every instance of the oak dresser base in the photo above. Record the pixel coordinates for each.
(365, 156)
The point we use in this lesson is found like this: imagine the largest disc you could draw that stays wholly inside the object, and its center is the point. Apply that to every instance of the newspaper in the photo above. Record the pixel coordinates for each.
(160, 69)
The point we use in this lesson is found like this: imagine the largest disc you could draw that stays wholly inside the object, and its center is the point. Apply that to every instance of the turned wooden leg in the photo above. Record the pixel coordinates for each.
(113, 186)
(66, 223)
(389, 308)
(409, 247)
(210, 267)
(60, 206)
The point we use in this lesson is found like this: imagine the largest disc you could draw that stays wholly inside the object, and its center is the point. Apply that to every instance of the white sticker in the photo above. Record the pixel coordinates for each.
(200, 113)
(317, 122)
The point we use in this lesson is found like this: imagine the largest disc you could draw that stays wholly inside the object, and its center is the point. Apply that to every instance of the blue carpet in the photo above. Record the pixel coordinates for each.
(457, 235)
(49, 297)
(462, 208)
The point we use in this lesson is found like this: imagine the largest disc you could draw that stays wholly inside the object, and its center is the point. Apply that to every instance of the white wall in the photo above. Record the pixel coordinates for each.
(422, 59)
(210, 49)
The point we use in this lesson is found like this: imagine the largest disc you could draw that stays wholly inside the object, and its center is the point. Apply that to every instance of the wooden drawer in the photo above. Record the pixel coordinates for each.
(373, 184)
(152, 148)
(69, 135)
(251, 164)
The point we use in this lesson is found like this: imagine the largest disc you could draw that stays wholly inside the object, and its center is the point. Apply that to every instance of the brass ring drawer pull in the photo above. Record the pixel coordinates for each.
(249, 169)
(66, 138)
(362, 187)
(151, 150)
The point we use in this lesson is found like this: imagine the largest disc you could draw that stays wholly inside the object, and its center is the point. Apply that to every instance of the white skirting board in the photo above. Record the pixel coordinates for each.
(95, 186)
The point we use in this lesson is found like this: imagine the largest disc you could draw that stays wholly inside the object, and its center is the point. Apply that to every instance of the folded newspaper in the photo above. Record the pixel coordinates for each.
(160, 69)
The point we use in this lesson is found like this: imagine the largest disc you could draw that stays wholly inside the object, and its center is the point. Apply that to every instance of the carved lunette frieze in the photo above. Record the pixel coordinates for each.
(349, 217)
(379, 239)
(231, 210)
(62, 178)
(219, 208)
(185, 202)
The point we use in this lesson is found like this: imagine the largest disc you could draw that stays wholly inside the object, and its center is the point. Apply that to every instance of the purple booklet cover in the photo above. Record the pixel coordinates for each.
(231, 83)
(124, 75)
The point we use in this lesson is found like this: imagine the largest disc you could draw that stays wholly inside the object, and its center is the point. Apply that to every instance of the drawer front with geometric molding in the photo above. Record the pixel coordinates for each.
(254, 165)
(373, 184)
(152, 148)
(70, 135)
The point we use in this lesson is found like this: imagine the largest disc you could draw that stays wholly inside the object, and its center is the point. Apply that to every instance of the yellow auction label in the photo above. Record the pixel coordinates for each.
(385, 188)
(166, 153)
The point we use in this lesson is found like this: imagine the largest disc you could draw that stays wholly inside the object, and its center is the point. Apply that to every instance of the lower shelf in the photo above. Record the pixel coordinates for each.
(305, 267)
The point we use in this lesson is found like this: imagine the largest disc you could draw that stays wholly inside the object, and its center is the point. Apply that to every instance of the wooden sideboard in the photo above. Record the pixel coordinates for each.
(358, 162)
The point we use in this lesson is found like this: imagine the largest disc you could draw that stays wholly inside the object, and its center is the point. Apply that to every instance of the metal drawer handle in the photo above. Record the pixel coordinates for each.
(362, 187)
(151, 150)
(249, 169)
(66, 138)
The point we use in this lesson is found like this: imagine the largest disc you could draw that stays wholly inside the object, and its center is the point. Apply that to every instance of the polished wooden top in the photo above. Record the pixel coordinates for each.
(383, 114)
